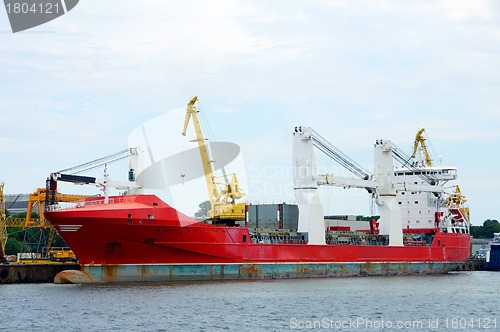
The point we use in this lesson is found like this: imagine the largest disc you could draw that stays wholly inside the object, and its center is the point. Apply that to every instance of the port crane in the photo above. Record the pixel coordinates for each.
(37, 241)
(222, 195)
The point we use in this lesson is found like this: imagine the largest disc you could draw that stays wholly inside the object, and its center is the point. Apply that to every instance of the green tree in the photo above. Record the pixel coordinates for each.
(204, 208)
(15, 240)
(58, 241)
(487, 230)
(13, 246)
(34, 215)
(367, 218)
(15, 233)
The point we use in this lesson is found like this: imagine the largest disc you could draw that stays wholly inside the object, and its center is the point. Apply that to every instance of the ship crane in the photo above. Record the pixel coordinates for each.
(420, 140)
(382, 184)
(71, 175)
(331, 151)
(224, 208)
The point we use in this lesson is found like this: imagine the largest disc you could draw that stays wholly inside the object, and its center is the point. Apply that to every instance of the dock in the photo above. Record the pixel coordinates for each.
(32, 273)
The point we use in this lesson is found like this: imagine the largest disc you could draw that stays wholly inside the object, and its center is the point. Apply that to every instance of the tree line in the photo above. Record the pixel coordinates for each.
(485, 231)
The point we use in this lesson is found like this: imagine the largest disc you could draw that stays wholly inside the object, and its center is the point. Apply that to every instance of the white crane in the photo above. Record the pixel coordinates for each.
(70, 174)
(382, 184)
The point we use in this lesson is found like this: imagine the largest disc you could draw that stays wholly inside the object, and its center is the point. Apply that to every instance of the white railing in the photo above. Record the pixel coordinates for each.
(85, 203)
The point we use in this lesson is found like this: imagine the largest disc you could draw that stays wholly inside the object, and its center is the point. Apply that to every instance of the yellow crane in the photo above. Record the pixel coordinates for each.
(420, 140)
(223, 200)
(3, 222)
(38, 199)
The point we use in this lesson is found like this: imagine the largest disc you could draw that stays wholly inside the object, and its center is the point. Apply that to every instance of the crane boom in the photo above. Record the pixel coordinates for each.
(192, 113)
(70, 175)
(420, 140)
(222, 210)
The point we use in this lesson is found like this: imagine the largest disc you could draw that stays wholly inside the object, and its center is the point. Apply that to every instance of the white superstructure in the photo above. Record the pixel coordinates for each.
(418, 208)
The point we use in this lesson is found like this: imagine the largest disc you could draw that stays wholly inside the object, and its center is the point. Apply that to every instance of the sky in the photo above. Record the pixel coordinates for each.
(73, 90)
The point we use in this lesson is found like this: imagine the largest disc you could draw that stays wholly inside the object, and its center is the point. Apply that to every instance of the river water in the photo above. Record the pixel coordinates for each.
(457, 301)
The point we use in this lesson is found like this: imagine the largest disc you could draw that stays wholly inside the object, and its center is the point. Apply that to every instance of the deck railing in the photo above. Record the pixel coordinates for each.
(87, 203)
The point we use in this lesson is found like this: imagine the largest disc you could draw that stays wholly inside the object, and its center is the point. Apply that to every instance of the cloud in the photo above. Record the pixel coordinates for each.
(355, 71)
(464, 10)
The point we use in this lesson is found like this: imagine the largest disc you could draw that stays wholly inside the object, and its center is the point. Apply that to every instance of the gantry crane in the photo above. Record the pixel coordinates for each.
(224, 209)
(35, 238)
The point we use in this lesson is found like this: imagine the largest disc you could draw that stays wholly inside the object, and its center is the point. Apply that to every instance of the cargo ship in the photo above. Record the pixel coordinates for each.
(493, 254)
(140, 238)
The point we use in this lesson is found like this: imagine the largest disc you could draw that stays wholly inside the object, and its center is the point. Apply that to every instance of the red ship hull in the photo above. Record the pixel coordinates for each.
(141, 238)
